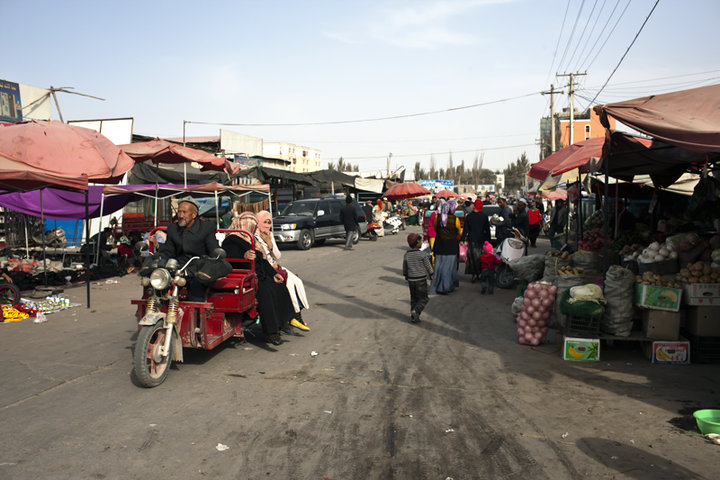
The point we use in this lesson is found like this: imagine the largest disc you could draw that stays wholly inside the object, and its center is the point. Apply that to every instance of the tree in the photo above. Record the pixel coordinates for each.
(516, 172)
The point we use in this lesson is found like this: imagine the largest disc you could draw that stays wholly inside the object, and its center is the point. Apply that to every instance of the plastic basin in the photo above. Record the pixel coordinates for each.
(708, 421)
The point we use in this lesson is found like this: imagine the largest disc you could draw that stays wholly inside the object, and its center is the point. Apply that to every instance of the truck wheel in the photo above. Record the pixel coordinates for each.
(305, 241)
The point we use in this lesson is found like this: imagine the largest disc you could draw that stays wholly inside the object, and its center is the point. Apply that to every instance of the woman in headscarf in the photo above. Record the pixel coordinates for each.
(377, 213)
(273, 301)
(476, 231)
(446, 249)
(294, 284)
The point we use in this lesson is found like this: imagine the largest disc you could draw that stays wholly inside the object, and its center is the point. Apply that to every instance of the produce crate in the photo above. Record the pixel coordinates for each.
(671, 353)
(583, 327)
(658, 298)
(702, 294)
(666, 267)
(703, 349)
(581, 349)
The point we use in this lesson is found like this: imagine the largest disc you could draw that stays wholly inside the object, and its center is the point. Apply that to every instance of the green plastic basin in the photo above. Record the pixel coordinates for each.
(708, 421)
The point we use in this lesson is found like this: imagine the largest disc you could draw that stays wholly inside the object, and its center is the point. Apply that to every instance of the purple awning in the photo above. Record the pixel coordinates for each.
(63, 204)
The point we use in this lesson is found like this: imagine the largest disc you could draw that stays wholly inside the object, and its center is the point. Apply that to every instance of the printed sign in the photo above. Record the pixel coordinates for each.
(10, 105)
(437, 185)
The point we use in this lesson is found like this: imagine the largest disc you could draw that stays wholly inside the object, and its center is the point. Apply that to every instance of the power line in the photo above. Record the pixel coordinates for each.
(592, 30)
(577, 44)
(607, 22)
(562, 27)
(626, 51)
(364, 120)
(572, 33)
(661, 78)
(384, 156)
(421, 139)
(674, 85)
(609, 35)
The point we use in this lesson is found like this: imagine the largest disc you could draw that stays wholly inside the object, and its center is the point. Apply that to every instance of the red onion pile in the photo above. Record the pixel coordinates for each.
(532, 324)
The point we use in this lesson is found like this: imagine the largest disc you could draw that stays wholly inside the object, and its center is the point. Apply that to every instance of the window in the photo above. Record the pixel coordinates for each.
(587, 132)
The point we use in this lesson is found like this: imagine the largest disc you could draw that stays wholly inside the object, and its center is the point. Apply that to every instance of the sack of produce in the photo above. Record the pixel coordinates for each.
(590, 262)
(564, 282)
(532, 324)
(583, 301)
(529, 268)
(555, 260)
(516, 307)
(619, 291)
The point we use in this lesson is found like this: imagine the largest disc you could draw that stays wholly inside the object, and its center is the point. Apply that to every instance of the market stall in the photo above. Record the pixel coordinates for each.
(651, 276)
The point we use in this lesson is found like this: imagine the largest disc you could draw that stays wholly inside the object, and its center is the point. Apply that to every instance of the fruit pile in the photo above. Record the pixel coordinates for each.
(698, 272)
(650, 278)
(568, 270)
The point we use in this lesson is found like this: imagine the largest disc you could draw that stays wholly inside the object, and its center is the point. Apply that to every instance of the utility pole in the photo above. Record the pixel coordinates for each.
(388, 164)
(571, 94)
(552, 93)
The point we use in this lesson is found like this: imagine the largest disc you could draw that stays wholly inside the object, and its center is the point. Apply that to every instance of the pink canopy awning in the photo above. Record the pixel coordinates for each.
(574, 156)
(162, 151)
(688, 118)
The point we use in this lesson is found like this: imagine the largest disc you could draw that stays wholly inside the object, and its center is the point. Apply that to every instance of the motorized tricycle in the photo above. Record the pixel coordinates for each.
(167, 322)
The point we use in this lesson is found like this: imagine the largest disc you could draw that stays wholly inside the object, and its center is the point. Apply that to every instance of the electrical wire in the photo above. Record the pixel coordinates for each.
(660, 78)
(370, 157)
(577, 43)
(364, 120)
(622, 14)
(572, 33)
(626, 51)
(592, 30)
(420, 139)
(562, 27)
(607, 22)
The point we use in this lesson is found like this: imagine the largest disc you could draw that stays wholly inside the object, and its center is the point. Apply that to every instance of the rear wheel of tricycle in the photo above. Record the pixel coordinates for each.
(151, 368)
(9, 294)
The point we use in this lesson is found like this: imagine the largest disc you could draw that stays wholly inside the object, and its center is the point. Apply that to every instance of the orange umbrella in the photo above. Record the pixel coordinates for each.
(400, 191)
(447, 194)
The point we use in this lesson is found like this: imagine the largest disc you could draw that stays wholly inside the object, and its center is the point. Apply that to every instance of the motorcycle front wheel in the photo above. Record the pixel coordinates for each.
(504, 276)
(151, 368)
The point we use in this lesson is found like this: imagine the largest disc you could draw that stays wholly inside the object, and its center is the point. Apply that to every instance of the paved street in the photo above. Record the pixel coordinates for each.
(453, 396)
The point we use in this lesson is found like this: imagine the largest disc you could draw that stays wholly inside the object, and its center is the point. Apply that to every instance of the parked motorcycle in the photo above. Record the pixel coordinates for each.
(393, 223)
(510, 249)
(54, 238)
(372, 228)
(167, 322)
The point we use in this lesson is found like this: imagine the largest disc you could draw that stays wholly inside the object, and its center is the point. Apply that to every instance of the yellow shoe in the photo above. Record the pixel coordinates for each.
(299, 325)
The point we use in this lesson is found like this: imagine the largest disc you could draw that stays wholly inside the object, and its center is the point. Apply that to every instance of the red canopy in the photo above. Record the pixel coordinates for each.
(162, 151)
(400, 191)
(64, 151)
(574, 156)
(688, 118)
(447, 194)
(555, 195)
(18, 176)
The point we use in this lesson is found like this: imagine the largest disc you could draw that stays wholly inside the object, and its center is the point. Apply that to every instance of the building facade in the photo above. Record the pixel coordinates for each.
(302, 159)
(586, 125)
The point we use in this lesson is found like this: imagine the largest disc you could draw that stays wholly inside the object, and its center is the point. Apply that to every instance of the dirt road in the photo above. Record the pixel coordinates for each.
(453, 396)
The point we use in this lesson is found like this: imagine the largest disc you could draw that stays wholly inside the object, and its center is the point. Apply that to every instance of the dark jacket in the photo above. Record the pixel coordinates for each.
(348, 217)
(184, 243)
(522, 222)
(476, 228)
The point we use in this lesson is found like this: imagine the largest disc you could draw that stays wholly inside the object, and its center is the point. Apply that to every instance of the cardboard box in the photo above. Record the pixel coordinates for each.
(702, 294)
(703, 321)
(661, 325)
(658, 298)
(581, 349)
(669, 353)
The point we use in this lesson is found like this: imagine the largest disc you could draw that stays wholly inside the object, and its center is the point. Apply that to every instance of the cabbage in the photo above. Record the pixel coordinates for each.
(587, 293)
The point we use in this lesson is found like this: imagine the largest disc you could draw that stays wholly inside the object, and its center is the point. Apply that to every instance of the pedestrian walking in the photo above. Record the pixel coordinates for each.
(349, 220)
(446, 249)
(417, 270)
(535, 221)
(476, 231)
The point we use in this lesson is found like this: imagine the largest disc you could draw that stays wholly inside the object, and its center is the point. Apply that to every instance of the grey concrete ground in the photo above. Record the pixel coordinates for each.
(453, 396)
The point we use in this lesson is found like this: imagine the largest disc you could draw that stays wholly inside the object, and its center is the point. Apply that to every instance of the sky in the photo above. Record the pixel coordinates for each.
(334, 62)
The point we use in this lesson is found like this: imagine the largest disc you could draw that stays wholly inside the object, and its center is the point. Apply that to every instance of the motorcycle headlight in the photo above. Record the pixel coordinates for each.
(160, 279)
(287, 226)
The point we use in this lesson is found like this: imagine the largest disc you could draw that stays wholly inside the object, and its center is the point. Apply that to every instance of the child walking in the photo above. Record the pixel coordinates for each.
(417, 270)
(489, 262)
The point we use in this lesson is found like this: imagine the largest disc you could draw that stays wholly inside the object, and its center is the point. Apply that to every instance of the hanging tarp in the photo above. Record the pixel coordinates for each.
(328, 176)
(374, 185)
(145, 173)
(266, 175)
(60, 204)
(688, 118)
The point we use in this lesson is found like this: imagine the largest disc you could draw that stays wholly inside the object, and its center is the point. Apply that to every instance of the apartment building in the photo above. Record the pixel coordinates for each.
(302, 159)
